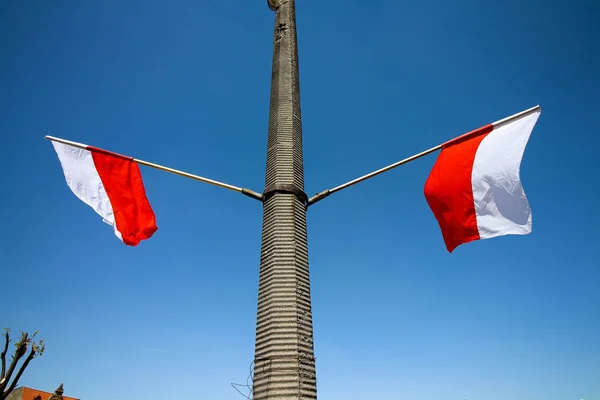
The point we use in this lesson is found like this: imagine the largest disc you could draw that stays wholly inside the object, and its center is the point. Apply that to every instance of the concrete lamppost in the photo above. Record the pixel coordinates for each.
(284, 363)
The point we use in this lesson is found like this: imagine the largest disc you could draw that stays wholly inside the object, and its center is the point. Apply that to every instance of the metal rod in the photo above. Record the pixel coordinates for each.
(493, 125)
(320, 196)
(516, 116)
(64, 141)
(188, 175)
(247, 192)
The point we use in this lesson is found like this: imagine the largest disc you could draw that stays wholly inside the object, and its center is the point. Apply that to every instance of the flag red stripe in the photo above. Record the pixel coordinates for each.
(122, 180)
(449, 191)
(484, 130)
(108, 153)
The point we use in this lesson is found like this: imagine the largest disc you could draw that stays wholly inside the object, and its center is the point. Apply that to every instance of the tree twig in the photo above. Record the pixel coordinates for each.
(3, 354)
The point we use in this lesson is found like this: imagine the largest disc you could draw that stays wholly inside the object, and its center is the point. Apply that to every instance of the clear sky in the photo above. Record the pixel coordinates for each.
(186, 84)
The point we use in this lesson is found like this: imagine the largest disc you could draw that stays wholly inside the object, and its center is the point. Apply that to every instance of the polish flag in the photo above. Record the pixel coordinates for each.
(112, 185)
(474, 188)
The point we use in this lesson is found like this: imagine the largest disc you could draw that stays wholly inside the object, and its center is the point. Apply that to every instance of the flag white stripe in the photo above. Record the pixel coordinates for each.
(83, 179)
(501, 206)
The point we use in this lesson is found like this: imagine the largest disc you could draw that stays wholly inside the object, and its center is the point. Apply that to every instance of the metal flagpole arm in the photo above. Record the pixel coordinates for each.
(320, 196)
(244, 191)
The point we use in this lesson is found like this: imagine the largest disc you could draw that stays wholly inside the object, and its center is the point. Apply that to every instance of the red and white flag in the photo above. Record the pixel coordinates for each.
(112, 185)
(474, 188)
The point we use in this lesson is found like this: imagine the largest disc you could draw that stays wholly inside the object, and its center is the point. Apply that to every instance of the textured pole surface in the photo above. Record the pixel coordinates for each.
(284, 364)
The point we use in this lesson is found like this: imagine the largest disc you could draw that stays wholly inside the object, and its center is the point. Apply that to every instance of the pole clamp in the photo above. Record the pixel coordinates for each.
(285, 188)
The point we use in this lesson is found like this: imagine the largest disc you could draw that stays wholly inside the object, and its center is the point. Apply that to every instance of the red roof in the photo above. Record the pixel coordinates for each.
(31, 394)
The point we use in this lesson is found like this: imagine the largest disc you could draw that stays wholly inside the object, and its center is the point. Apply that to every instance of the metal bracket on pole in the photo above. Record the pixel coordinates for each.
(318, 197)
(285, 188)
(253, 194)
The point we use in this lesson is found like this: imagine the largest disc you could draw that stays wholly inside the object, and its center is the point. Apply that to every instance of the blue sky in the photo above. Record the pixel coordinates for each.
(187, 83)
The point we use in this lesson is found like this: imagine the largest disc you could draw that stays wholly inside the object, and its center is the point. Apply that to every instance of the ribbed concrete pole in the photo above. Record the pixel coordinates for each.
(284, 364)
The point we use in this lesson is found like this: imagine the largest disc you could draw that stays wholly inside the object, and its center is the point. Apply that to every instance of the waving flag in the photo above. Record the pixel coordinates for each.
(112, 185)
(474, 188)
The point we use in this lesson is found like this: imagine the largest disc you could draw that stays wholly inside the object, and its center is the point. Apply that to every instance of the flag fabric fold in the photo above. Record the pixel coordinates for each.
(112, 185)
(474, 189)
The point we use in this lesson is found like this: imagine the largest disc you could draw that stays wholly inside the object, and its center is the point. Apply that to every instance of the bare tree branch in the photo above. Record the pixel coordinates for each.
(19, 353)
(3, 354)
(22, 348)
(31, 356)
